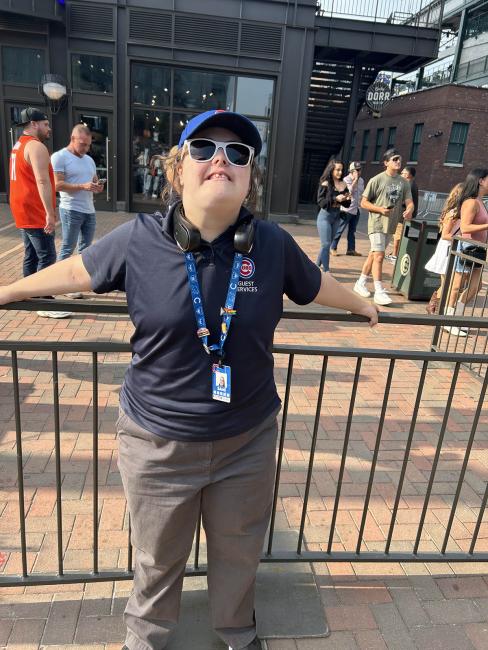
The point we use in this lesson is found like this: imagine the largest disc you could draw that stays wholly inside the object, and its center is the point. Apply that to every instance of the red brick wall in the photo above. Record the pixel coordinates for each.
(437, 108)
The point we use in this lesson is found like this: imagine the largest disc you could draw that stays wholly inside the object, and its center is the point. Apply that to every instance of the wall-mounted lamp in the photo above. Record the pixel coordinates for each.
(55, 91)
(436, 134)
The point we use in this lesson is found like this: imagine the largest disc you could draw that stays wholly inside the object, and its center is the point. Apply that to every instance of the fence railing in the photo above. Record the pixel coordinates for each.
(471, 69)
(422, 368)
(418, 13)
(431, 204)
(468, 274)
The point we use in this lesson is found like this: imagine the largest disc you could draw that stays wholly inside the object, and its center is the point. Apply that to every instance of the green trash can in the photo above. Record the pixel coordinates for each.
(417, 246)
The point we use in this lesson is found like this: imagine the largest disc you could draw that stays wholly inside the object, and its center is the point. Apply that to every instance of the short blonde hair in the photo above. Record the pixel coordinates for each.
(80, 129)
(172, 188)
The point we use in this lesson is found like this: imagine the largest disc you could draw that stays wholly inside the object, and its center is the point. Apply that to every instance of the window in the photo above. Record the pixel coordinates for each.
(22, 65)
(391, 137)
(379, 144)
(254, 96)
(164, 99)
(180, 120)
(151, 85)
(92, 73)
(203, 91)
(353, 146)
(416, 139)
(150, 141)
(365, 145)
(457, 142)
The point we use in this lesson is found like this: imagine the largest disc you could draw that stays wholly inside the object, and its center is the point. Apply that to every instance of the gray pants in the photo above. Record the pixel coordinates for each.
(165, 481)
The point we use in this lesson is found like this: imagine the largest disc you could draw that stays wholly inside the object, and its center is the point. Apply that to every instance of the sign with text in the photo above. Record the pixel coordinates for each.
(377, 95)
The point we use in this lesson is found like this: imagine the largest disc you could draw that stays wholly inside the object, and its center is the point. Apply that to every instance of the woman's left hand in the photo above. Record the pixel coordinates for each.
(371, 312)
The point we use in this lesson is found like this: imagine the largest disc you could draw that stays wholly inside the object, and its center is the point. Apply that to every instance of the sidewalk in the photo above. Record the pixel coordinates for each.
(367, 606)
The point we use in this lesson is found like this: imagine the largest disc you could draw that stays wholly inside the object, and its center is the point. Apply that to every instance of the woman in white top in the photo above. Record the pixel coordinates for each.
(448, 226)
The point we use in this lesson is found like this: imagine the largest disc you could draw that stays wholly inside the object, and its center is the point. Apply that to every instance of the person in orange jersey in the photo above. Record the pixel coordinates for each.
(32, 194)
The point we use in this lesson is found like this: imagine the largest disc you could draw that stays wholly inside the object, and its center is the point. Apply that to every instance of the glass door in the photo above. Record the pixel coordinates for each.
(102, 152)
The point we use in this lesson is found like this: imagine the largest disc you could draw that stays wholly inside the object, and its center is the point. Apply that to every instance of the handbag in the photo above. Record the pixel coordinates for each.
(477, 252)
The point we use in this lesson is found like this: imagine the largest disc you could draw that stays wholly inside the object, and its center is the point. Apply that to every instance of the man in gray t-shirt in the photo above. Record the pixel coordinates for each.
(76, 181)
(384, 197)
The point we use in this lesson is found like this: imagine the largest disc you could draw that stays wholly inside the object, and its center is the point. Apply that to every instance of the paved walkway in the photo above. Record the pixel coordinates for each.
(368, 606)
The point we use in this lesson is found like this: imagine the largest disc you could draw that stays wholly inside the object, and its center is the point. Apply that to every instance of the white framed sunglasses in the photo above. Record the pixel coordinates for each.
(204, 150)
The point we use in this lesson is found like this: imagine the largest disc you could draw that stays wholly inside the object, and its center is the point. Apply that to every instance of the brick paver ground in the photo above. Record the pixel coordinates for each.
(368, 606)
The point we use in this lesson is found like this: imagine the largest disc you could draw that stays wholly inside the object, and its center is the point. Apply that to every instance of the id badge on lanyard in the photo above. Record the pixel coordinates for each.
(221, 375)
(221, 387)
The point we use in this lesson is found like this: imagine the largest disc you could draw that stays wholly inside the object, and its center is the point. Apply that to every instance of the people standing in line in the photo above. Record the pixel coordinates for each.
(76, 181)
(449, 226)
(350, 215)
(474, 226)
(32, 195)
(332, 194)
(383, 197)
(188, 442)
(408, 172)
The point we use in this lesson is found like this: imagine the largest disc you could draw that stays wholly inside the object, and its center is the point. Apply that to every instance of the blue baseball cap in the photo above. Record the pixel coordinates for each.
(235, 122)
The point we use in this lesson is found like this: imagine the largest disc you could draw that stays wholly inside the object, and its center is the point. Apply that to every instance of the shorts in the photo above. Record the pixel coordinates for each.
(379, 241)
(398, 232)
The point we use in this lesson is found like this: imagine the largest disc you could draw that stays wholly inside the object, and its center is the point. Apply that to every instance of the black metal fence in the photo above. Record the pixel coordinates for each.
(323, 362)
(418, 13)
(466, 276)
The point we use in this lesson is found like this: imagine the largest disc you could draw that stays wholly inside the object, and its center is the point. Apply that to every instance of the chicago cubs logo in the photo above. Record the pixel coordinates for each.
(248, 268)
(405, 264)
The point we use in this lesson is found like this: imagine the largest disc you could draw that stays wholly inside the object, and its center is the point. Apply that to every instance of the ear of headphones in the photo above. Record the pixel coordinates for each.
(189, 239)
(186, 235)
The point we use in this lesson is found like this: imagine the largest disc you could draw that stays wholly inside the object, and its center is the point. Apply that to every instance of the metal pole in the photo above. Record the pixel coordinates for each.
(420, 78)
(459, 45)
(108, 171)
(352, 111)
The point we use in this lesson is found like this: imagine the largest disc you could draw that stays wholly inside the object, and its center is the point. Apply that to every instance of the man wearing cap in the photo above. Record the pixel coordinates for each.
(383, 197)
(32, 195)
(350, 216)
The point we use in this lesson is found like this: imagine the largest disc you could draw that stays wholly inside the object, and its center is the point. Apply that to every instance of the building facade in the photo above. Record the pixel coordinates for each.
(440, 130)
(137, 70)
(463, 51)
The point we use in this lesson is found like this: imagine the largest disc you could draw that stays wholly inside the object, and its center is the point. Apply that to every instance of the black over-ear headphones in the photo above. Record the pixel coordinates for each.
(189, 239)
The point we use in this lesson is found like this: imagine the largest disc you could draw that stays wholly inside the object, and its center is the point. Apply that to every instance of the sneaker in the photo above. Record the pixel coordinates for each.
(382, 298)
(77, 295)
(456, 331)
(333, 252)
(254, 645)
(54, 314)
(361, 289)
(354, 253)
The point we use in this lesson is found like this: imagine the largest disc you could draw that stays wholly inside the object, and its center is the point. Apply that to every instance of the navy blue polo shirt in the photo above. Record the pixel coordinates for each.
(168, 385)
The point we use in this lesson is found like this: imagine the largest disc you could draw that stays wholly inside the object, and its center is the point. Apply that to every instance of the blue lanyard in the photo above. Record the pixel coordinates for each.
(226, 312)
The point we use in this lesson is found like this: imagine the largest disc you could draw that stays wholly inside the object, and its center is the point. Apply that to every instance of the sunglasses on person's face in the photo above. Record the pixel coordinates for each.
(396, 158)
(204, 150)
